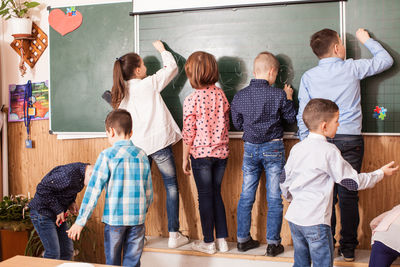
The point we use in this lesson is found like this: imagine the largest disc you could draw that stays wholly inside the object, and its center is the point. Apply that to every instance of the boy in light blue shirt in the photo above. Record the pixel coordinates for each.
(338, 80)
(124, 171)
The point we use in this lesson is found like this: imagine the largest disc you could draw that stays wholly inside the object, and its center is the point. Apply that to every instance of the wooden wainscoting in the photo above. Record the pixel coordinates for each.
(28, 166)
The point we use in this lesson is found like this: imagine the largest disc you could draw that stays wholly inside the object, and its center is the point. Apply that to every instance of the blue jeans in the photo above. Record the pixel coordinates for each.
(128, 238)
(164, 159)
(352, 149)
(382, 255)
(269, 156)
(55, 240)
(208, 174)
(312, 243)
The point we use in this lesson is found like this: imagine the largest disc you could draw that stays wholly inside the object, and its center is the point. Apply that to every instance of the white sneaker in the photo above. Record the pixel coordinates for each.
(208, 248)
(222, 245)
(176, 239)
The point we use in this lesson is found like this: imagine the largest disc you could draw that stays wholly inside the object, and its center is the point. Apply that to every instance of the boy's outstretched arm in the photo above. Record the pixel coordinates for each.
(344, 174)
(380, 61)
(98, 180)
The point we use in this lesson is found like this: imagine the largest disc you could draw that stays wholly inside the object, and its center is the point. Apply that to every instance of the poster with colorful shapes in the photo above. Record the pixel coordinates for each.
(40, 99)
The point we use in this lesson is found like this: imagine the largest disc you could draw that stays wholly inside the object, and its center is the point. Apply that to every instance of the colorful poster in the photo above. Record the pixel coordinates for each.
(40, 99)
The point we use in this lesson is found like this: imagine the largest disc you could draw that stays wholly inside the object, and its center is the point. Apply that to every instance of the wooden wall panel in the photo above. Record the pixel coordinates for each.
(28, 166)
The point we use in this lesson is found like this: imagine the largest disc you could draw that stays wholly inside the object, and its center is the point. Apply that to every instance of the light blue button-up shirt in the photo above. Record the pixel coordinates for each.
(339, 81)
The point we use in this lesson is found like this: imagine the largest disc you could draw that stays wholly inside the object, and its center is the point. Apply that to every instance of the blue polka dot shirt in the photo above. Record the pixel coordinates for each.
(58, 189)
(258, 111)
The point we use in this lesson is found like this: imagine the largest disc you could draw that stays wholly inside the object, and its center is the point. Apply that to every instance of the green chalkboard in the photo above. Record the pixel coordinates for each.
(81, 65)
(382, 20)
(235, 37)
(81, 62)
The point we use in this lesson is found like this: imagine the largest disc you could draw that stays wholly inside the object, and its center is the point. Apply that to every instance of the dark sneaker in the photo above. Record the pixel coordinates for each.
(273, 250)
(348, 254)
(249, 244)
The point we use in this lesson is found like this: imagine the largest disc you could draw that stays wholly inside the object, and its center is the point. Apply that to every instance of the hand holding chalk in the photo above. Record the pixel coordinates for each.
(159, 46)
(362, 35)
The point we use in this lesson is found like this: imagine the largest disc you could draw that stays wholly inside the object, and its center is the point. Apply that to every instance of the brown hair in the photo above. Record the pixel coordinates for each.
(201, 69)
(322, 41)
(318, 110)
(124, 68)
(120, 120)
(264, 62)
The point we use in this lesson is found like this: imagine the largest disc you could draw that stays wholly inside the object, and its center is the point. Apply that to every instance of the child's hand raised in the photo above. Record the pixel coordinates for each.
(289, 91)
(159, 46)
(362, 35)
(74, 232)
(388, 169)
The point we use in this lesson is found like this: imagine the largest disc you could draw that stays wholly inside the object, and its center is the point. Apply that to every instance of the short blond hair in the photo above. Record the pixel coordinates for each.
(264, 62)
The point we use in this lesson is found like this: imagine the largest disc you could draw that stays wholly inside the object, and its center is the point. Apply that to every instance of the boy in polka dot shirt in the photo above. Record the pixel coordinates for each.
(259, 110)
(55, 195)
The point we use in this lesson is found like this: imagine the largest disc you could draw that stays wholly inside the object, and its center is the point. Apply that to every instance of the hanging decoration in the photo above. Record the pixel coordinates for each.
(30, 49)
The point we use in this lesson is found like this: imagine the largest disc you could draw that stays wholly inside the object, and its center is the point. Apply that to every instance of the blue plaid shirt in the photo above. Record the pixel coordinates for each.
(124, 170)
(259, 109)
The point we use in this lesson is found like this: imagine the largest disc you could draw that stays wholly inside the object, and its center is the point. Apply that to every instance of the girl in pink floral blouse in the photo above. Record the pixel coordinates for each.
(205, 136)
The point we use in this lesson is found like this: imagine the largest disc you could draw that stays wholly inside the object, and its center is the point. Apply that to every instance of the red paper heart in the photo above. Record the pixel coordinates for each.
(62, 23)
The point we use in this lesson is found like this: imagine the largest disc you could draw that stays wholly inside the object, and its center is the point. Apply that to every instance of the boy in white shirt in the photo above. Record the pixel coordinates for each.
(313, 166)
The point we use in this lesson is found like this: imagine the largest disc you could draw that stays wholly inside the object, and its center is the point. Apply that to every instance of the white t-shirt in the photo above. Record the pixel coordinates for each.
(313, 166)
(154, 128)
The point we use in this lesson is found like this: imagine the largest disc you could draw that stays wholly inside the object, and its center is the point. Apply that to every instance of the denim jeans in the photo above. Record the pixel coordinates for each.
(312, 243)
(164, 159)
(352, 149)
(382, 255)
(128, 238)
(208, 174)
(55, 240)
(269, 156)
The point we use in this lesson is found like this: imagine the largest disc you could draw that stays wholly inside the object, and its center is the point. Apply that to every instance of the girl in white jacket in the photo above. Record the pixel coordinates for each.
(154, 129)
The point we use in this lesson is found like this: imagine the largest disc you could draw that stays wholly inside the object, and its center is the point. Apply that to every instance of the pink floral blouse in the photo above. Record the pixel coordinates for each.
(206, 123)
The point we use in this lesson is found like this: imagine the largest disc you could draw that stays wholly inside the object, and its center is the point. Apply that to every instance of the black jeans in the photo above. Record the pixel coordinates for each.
(208, 174)
(352, 148)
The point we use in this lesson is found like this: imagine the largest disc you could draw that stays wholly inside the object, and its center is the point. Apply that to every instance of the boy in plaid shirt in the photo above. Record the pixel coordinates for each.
(124, 171)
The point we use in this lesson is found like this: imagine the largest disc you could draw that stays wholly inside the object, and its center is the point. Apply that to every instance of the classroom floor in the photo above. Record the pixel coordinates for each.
(157, 253)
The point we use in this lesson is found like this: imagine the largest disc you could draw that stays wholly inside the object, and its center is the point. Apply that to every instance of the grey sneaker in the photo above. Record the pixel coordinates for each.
(178, 240)
(208, 248)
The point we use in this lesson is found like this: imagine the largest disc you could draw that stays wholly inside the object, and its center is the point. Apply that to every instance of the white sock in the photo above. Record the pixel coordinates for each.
(220, 239)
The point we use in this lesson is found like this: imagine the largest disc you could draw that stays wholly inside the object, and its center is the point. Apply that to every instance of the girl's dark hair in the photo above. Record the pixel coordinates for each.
(124, 68)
